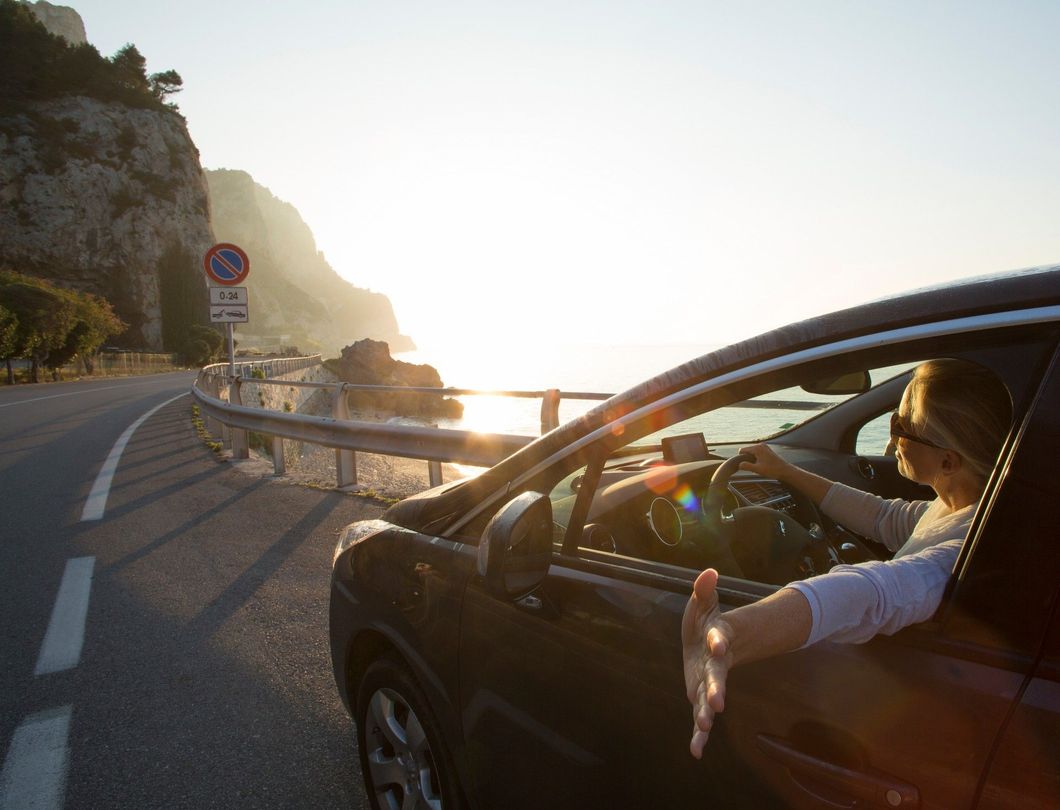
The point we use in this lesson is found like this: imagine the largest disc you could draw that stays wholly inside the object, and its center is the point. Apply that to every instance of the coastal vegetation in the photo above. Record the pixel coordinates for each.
(36, 65)
(51, 326)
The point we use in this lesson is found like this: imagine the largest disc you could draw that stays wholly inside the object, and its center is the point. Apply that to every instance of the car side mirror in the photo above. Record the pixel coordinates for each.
(856, 382)
(516, 547)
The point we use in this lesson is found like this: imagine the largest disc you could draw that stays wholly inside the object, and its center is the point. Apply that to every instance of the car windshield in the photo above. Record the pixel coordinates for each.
(764, 416)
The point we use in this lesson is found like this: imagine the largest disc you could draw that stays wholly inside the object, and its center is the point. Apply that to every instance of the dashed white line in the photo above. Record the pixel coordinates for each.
(34, 775)
(66, 631)
(97, 498)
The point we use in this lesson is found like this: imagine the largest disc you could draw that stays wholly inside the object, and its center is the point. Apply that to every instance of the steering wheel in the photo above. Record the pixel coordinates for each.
(767, 544)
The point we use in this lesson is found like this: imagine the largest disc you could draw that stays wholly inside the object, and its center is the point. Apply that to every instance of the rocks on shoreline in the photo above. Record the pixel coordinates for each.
(368, 362)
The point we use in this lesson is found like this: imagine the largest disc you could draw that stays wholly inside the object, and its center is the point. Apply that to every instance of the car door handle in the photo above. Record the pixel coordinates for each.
(875, 788)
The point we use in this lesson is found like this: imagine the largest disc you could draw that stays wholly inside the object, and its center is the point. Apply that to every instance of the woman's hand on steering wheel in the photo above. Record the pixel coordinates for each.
(766, 462)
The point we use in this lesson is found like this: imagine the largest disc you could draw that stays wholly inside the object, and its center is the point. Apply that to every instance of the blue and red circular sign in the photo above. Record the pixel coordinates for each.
(226, 264)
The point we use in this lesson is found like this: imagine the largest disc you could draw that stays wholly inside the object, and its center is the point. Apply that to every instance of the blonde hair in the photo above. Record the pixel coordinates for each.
(963, 407)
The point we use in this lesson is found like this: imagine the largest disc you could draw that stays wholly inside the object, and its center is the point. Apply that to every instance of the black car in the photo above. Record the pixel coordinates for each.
(513, 640)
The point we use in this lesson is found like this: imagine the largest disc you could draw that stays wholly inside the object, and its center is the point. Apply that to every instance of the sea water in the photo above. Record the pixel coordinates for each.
(598, 368)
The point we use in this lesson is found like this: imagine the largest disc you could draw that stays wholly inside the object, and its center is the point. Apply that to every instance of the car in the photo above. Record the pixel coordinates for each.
(513, 639)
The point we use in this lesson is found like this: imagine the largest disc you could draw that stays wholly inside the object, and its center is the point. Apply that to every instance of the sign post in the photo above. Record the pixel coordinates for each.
(228, 265)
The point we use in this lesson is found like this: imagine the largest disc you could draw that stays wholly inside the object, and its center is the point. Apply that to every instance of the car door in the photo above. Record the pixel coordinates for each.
(573, 695)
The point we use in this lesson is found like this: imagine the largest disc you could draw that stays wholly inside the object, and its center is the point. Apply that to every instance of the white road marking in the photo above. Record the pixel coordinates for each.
(82, 392)
(97, 498)
(34, 775)
(62, 644)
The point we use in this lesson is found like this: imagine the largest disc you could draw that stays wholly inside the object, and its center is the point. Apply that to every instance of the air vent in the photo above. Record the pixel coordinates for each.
(765, 493)
(864, 468)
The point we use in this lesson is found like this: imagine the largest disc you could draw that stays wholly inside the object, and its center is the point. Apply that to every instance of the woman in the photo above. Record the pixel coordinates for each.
(947, 432)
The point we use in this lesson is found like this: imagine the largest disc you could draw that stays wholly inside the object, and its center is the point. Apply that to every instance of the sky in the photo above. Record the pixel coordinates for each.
(628, 172)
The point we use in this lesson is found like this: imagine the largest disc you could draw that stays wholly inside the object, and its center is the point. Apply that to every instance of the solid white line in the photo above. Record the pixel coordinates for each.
(34, 776)
(62, 644)
(82, 392)
(97, 498)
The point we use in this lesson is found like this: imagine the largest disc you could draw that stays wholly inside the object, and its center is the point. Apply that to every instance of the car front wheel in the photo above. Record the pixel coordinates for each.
(403, 758)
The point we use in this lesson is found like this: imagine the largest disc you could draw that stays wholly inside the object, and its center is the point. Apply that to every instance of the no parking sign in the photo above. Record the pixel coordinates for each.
(226, 264)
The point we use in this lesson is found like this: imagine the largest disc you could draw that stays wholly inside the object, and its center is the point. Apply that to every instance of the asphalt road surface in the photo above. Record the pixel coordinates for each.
(164, 639)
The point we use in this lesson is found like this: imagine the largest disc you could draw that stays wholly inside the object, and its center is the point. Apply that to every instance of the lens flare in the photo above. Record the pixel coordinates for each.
(661, 480)
(687, 498)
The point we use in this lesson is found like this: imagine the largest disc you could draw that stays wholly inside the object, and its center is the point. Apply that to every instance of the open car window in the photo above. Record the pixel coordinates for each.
(650, 498)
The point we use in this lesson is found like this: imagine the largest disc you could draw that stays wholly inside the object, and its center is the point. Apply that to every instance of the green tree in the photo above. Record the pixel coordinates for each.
(182, 295)
(35, 65)
(98, 322)
(94, 322)
(130, 69)
(202, 345)
(45, 316)
(165, 84)
(8, 335)
(49, 325)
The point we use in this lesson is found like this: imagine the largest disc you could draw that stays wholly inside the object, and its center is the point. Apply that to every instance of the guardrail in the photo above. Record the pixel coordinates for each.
(348, 436)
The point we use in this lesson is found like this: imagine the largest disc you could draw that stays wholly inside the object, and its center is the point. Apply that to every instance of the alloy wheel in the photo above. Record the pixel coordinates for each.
(403, 770)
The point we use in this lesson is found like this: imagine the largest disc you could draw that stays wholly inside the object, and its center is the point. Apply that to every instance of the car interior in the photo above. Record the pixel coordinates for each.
(667, 491)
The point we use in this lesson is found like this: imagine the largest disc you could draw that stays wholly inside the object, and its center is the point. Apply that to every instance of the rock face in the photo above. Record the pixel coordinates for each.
(108, 196)
(368, 362)
(96, 195)
(293, 289)
(60, 20)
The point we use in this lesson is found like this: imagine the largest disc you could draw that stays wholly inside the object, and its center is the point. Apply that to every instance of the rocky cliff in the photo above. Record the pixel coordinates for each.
(293, 289)
(97, 196)
(62, 21)
(101, 190)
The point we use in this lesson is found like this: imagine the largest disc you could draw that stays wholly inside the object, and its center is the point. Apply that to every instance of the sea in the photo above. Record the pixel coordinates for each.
(587, 367)
(596, 368)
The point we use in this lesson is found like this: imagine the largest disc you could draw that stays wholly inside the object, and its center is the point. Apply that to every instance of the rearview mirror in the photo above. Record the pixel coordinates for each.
(856, 382)
(516, 547)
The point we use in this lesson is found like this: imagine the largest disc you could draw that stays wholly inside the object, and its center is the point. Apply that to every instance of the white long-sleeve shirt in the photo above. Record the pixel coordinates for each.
(852, 603)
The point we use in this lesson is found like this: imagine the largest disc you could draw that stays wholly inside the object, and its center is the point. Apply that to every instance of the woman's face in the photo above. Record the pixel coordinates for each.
(917, 461)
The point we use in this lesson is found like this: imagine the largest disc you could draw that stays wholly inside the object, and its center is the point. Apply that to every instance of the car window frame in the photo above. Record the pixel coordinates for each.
(566, 459)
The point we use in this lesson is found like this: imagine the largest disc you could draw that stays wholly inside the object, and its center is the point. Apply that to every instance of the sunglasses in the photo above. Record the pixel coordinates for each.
(898, 431)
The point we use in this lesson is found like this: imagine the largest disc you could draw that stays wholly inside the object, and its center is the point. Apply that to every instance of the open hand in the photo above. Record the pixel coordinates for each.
(706, 639)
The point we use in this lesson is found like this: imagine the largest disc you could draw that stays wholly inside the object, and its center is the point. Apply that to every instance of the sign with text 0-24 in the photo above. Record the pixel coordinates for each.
(229, 295)
(226, 264)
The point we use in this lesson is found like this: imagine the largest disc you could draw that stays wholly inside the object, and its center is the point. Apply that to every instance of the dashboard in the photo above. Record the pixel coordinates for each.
(653, 508)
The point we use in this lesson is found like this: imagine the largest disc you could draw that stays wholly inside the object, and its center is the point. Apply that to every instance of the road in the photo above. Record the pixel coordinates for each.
(172, 652)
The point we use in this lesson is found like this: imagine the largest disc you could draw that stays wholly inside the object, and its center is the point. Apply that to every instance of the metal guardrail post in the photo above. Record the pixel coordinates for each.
(240, 446)
(345, 460)
(213, 425)
(434, 473)
(226, 431)
(549, 410)
(279, 463)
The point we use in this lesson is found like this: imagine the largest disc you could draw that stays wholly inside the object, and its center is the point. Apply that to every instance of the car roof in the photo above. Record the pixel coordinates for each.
(978, 296)
(981, 295)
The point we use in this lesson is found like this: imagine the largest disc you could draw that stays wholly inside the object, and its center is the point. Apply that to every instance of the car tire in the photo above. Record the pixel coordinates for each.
(403, 756)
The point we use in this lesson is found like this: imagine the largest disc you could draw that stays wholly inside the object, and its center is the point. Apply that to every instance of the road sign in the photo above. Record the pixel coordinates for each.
(226, 264)
(229, 295)
(228, 313)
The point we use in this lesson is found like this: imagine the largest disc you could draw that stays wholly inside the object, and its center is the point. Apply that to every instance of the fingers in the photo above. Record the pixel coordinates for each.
(706, 589)
(760, 452)
(715, 674)
(702, 723)
(710, 678)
